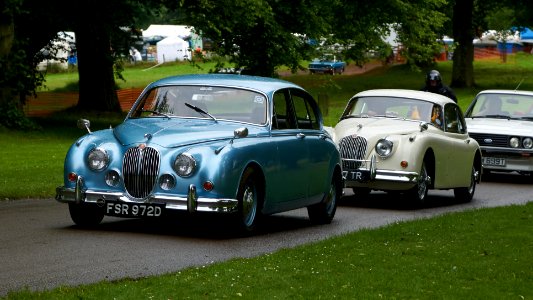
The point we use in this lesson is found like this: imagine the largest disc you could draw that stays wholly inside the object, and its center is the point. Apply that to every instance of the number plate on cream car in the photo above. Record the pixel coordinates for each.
(134, 210)
(356, 175)
(493, 161)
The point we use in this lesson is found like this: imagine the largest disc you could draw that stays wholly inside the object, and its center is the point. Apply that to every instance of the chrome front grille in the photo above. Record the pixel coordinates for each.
(491, 139)
(352, 148)
(140, 169)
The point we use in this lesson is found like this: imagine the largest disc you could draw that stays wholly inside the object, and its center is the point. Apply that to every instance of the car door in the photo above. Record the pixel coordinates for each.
(287, 181)
(459, 157)
(320, 149)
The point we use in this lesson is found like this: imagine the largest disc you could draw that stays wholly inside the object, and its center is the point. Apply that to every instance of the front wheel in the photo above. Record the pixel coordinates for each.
(248, 208)
(465, 194)
(86, 215)
(419, 192)
(323, 212)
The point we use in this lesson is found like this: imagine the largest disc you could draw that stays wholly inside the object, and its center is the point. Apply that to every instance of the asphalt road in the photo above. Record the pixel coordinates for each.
(40, 248)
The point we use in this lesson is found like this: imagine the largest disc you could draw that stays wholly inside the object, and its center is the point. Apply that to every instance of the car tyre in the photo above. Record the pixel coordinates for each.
(323, 212)
(248, 215)
(86, 214)
(419, 192)
(465, 194)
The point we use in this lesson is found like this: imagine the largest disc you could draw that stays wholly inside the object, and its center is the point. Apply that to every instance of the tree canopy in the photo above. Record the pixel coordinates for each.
(260, 35)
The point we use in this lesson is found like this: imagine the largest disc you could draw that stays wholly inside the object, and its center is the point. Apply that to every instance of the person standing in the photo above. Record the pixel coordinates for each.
(434, 85)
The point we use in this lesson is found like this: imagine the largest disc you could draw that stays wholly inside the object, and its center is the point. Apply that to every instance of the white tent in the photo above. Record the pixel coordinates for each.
(181, 31)
(172, 48)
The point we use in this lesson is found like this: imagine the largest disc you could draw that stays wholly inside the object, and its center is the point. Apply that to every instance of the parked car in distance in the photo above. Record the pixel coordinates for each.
(327, 65)
(408, 142)
(221, 144)
(501, 121)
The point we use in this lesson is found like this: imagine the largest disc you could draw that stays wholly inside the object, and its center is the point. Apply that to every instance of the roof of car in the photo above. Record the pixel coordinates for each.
(264, 84)
(406, 93)
(516, 92)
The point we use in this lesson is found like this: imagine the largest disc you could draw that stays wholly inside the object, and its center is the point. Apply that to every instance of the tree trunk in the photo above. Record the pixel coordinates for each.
(463, 35)
(95, 67)
(7, 35)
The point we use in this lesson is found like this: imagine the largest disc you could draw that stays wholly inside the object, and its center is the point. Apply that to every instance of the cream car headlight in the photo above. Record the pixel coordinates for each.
(514, 142)
(98, 159)
(184, 165)
(528, 143)
(384, 147)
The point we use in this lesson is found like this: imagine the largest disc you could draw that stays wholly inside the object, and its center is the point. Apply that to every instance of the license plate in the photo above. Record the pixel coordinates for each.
(493, 161)
(133, 210)
(356, 175)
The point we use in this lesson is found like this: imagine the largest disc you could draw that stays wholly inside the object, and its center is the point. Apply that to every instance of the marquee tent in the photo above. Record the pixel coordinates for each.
(172, 48)
(181, 31)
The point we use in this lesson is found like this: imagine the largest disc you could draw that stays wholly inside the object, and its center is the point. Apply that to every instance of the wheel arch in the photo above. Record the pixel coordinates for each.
(337, 177)
(478, 165)
(429, 160)
(259, 176)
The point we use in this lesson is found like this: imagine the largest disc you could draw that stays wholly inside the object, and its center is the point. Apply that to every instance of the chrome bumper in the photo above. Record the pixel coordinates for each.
(191, 203)
(387, 175)
(380, 175)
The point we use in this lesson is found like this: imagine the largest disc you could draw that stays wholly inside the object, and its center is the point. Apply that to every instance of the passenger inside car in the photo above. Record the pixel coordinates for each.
(436, 116)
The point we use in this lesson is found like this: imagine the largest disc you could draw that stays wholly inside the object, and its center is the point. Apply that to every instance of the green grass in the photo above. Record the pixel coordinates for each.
(478, 254)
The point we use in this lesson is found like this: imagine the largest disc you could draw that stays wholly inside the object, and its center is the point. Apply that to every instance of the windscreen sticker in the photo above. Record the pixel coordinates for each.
(259, 99)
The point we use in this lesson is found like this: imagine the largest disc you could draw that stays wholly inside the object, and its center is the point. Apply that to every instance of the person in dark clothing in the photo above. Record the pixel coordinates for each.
(434, 85)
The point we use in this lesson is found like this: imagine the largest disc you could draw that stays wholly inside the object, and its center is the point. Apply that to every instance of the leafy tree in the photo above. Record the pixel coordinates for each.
(362, 24)
(256, 34)
(20, 42)
(470, 20)
(263, 35)
(502, 22)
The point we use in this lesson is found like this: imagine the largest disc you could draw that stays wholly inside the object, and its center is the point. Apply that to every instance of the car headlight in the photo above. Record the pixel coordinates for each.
(97, 159)
(184, 165)
(528, 143)
(384, 147)
(514, 142)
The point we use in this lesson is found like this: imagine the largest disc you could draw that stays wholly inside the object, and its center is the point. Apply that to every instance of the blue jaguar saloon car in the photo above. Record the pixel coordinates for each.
(222, 144)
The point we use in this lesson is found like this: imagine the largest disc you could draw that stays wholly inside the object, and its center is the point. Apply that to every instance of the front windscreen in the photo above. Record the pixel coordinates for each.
(203, 102)
(392, 107)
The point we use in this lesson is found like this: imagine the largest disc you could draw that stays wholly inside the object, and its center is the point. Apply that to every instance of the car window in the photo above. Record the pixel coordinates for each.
(436, 116)
(203, 102)
(305, 115)
(453, 119)
(384, 106)
(499, 105)
(282, 118)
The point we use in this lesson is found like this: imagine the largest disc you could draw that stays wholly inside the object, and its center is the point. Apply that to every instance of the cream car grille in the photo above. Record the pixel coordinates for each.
(352, 147)
(140, 169)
